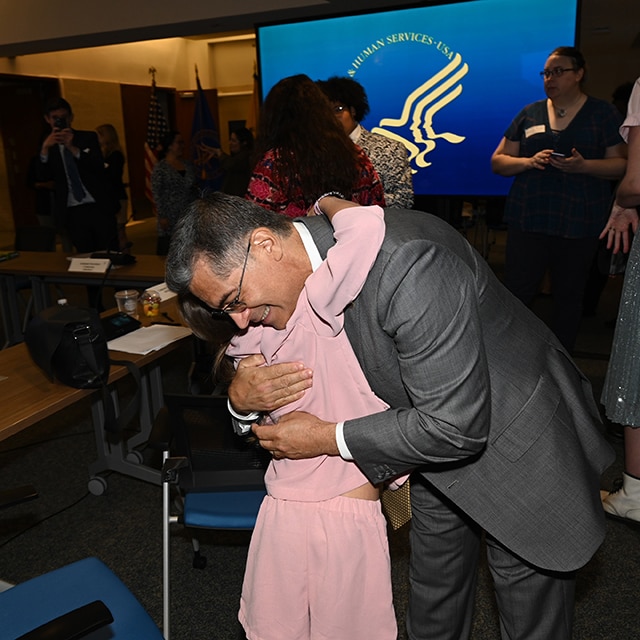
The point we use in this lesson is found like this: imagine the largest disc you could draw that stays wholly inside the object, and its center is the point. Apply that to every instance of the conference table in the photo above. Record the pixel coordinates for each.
(44, 268)
(30, 396)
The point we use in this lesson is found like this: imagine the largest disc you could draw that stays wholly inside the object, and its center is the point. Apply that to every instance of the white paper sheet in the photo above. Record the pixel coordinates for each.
(148, 339)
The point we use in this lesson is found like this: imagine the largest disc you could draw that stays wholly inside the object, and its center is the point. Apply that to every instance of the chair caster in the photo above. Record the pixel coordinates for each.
(97, 485)
(134, 457)
(199, 561)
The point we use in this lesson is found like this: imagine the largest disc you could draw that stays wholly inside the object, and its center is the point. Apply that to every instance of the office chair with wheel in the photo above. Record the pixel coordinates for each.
(72, 602)
(219, 475)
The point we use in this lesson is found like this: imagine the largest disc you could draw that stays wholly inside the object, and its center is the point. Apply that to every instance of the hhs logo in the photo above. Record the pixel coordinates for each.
(422, 106)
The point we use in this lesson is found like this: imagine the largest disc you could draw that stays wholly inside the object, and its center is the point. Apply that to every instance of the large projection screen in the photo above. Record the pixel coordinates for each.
(444, 79)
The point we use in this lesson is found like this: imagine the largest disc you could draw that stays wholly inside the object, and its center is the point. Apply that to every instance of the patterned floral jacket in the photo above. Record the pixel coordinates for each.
(390, 160)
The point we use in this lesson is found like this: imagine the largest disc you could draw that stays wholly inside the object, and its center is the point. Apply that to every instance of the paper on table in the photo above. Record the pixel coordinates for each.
(148, 339)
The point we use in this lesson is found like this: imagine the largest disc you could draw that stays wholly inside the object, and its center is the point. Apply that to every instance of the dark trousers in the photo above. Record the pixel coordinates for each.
(569, 260)
(445, 549)
(92, 228)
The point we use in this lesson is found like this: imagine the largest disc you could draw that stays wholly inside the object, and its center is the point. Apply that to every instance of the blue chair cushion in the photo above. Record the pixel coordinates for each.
(39, 600)
(222, 509)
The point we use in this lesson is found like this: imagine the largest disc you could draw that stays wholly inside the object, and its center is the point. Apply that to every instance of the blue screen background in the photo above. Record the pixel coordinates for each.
(503, 43)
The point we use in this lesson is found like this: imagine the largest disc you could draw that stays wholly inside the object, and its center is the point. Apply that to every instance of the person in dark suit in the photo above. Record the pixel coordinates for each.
(488, 410)
(84, 203)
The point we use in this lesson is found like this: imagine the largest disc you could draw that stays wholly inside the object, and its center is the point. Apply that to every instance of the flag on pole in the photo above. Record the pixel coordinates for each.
(204, 141)
(157, 128)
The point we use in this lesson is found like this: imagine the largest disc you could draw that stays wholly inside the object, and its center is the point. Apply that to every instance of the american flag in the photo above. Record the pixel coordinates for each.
(157, 127)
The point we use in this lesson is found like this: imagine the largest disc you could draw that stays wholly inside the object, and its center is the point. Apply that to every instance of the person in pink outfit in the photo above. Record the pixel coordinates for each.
(321, 529)
(318, 563)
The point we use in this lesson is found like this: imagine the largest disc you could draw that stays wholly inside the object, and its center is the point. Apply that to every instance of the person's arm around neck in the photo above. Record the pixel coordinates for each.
(331, 204)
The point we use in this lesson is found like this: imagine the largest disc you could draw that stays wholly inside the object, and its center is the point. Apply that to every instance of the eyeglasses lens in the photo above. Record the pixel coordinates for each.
(556, 72)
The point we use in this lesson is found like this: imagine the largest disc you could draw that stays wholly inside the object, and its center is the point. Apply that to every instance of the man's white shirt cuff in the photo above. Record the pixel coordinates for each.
(247, 417)
(342, 443)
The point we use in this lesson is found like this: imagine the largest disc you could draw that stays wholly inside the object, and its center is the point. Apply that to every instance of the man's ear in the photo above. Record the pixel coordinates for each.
(267, 242)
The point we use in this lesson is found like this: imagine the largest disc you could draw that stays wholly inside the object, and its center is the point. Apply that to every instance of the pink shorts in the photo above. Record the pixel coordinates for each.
(318, 571)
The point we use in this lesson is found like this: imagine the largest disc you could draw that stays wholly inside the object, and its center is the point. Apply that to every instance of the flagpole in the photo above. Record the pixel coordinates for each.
(205, 141)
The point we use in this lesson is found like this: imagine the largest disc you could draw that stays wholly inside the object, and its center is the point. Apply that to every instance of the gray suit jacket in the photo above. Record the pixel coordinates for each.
(485, 403)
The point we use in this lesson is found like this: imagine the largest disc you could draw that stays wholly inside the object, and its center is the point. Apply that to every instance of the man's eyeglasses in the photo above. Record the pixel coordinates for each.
(339, 108)
(556, 72)
(235, 306)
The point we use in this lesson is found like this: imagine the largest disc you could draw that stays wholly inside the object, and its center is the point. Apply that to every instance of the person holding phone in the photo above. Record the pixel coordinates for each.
(84, 204)
(564, 152)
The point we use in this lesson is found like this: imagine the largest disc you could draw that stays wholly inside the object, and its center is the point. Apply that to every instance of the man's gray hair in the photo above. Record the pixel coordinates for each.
(216, 227)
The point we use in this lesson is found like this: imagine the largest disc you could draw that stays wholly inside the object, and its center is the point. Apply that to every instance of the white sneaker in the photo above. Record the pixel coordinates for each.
(623, 502)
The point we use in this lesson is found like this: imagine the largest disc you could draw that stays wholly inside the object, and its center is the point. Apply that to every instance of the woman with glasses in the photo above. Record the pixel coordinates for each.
(389, 157)
(564, 153)
(304, 152)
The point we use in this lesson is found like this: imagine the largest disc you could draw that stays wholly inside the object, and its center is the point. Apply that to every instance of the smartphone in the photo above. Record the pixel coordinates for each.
(557, 154)
(60, 123)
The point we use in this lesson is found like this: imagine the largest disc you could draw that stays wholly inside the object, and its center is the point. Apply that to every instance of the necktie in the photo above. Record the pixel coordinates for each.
(396, 504)
(74, 176)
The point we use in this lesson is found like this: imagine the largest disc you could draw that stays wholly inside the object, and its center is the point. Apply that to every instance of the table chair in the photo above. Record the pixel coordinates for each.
(72, 602)
(218, 474)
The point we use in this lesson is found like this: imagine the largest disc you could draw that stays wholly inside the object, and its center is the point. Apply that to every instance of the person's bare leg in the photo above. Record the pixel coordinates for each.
(632, 451)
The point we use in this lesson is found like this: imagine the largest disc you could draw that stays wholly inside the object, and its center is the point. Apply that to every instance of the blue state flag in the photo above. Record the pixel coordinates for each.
(204, 141)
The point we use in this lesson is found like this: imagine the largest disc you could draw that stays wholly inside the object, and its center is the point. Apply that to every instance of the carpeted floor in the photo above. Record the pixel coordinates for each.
(123, 526)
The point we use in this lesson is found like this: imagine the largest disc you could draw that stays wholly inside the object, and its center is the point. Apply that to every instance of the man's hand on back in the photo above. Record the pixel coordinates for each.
(259, 388)
(298, 435)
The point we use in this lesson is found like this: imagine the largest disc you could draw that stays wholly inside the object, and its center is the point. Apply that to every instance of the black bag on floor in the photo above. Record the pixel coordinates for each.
(69, 345)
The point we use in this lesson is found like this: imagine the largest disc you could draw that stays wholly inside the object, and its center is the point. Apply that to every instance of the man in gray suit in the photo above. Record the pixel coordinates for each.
(489, 410)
